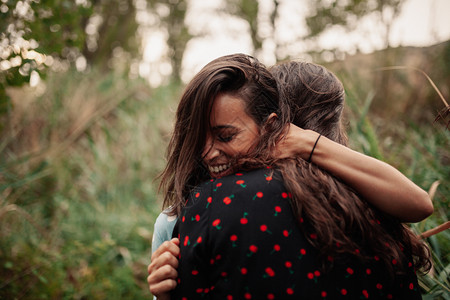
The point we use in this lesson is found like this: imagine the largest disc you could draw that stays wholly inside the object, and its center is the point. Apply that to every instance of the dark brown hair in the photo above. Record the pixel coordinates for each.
(334, 215)
(239, 75)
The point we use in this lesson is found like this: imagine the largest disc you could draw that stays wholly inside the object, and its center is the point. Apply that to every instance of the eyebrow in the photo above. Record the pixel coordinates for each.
(223, 127)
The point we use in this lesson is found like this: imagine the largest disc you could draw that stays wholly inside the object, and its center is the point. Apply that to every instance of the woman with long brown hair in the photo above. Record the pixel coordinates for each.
(242, 78)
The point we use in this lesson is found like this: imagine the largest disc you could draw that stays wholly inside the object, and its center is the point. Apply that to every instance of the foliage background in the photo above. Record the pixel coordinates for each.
(80, 150)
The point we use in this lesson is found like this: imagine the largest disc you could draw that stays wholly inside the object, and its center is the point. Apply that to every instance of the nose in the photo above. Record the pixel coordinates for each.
(210, 151)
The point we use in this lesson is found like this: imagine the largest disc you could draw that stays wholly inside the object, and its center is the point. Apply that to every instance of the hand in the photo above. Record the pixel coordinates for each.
(163, 269)
(291, 144)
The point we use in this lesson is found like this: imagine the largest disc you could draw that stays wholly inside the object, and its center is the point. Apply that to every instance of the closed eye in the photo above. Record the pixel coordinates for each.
(226, 139)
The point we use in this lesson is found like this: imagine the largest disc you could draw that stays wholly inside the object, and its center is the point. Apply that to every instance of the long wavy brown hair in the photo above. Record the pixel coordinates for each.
(333, 214)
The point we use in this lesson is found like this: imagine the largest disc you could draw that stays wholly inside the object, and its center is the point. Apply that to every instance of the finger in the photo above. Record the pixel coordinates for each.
(162, 287)
(162, 280)
(163, 273)
(167, 246)
(166, 258)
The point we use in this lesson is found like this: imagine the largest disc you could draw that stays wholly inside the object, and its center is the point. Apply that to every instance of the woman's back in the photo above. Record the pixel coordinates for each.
(240, 240)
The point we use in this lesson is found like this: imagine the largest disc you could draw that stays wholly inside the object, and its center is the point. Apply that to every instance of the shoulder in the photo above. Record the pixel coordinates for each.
(162, 230)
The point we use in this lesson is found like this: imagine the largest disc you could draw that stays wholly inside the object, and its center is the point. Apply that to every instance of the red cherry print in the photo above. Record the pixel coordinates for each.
(284, 195)
(243, 271)
(270, 272)
(350, 271)
(323, 294)
(229, 297)
(379, 286)
(289, 291)
(376, 258)
(394, 261)
(227, 200)
(197, 218)
(258, 195)
(186, 241)
(316, 273)
(357, 251)
(344, 292)
(310, 275)
(244, 219)
(223, 274)
(269, 178)
(276, 248)
(270, 296)
(197, 195)
(216, 223)
(365, 294)
(218, 256)
(338, 244)
(183, 219)
(288, 264)
(199, 240)
(330, 258)
(209, 201)
(285, 233)
(263, 227)
(248, 296)
(389, 296)
(238, 174)
(199, 290)
(411, 286)
(233, 238)
(368, 271)
(219, 184)
(241, 183)
(194, 272)
(302, 251)
(253, 248)
(313, 236)
(277, 210)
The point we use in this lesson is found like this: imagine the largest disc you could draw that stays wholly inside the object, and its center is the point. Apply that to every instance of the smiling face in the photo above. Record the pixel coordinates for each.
(233, 133)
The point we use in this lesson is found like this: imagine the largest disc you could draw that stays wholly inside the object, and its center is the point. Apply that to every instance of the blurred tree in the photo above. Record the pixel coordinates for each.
(111, 32)
(248, 11)
(171, 15)
(325, 14)
(58, 33)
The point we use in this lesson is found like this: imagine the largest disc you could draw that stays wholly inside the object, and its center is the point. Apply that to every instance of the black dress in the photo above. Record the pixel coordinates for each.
(240, 240)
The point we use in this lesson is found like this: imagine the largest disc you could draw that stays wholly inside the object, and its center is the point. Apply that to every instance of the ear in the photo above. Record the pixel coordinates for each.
(272, 117)
(270, 121)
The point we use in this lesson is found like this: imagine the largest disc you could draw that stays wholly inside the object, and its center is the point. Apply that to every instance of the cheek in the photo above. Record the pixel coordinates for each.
(248, 141)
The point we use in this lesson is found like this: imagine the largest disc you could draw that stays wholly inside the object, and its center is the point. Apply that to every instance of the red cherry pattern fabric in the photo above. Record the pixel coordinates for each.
(240, 240)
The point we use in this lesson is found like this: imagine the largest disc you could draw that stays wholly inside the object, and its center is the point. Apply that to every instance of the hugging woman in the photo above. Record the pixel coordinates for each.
(233, 240)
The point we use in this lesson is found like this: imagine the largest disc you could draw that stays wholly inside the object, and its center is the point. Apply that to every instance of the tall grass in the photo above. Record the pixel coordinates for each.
(78, 201)
(77, 193)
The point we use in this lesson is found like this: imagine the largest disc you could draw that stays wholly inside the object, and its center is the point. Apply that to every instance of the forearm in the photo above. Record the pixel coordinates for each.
(379, 183)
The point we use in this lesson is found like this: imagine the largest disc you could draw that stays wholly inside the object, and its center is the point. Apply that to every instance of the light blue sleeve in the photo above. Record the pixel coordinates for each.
(162, 230)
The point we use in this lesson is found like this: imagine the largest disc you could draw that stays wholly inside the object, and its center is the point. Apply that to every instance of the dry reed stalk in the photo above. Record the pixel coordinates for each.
(441, 114)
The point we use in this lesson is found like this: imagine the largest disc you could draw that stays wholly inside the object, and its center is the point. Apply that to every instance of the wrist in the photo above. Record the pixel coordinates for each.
(309, 138)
